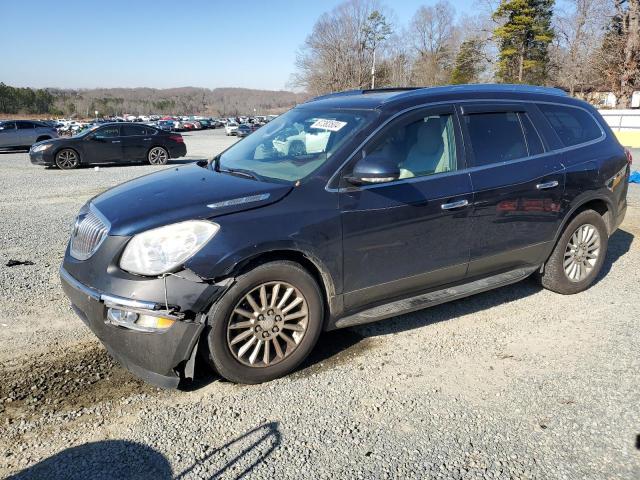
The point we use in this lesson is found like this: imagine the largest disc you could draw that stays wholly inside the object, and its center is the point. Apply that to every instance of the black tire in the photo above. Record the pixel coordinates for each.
(67, 159)
(158, 155)
(554, 277)
(223, 359)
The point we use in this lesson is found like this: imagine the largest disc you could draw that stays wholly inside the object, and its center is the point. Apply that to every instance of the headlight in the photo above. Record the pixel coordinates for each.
(40, 148)
(162, 249)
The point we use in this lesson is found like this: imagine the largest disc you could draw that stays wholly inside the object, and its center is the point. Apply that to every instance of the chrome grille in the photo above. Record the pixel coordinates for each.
(88, 233)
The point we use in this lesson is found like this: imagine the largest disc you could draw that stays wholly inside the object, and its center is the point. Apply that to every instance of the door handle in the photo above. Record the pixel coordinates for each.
(546, 185)
(146, 139)
(456, 204)
(115, 141)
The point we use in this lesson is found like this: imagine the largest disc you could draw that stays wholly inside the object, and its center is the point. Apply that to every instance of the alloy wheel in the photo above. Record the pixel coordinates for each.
(158, 156)
(582, 252)
(267, 324)
(67, 159)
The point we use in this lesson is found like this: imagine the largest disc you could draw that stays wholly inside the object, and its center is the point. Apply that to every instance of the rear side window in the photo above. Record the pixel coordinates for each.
(7, 126)
(572, 125)
(130, 130)
(495, 137)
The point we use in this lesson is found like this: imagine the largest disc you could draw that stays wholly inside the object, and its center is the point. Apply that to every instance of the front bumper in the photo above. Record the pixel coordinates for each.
(157, 357)
(43, 157)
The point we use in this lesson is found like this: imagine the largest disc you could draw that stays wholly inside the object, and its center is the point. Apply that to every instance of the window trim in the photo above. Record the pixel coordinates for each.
(331, 186)
(410, 116)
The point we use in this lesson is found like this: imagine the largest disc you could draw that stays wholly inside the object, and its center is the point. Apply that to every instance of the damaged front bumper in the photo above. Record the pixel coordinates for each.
(160, 357)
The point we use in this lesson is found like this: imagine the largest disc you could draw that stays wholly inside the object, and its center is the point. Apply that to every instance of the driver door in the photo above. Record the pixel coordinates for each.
(411, 234)
(104, 145)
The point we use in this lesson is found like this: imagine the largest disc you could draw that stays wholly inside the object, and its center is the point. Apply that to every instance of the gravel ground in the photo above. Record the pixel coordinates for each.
(514, 383)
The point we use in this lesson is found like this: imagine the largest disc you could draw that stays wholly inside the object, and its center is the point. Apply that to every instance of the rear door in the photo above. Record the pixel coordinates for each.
(26, 133)
(411, 234)
(136, 141)
(104, 145)
(517, 183)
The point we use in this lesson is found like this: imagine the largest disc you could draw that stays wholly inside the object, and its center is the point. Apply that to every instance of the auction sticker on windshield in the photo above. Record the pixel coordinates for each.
(325, 124)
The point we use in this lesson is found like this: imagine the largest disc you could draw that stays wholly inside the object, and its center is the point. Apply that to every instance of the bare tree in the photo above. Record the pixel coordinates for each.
(579, 32)
(337, 55)
(433, 35)
(618, 59)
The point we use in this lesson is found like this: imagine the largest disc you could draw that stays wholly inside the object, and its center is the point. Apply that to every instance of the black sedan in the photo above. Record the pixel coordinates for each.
(110, 143)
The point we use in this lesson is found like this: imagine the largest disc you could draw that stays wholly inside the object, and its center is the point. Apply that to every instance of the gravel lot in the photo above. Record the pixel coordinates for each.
(514, 383)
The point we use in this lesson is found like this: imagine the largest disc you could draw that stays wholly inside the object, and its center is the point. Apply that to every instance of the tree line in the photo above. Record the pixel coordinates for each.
(138, 101)
(582, 46)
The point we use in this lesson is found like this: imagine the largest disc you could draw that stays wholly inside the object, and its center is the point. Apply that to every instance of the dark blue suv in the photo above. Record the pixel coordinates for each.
(350, 208)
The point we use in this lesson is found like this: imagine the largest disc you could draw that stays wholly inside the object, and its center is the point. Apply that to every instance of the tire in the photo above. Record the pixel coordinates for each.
(67, 159)
(225, 356)
(589, 232)
(158, 156)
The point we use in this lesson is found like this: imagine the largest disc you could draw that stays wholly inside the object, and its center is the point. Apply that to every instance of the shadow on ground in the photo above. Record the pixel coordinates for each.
(127, 460)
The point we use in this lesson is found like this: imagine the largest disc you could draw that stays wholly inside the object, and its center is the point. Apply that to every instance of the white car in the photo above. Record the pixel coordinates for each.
(231, 128)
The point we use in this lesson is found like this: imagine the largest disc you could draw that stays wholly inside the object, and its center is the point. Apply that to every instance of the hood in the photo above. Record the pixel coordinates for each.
(188, 192)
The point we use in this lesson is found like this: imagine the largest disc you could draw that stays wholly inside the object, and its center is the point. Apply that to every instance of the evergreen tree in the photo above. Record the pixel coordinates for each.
(523, 39)
(468, 64)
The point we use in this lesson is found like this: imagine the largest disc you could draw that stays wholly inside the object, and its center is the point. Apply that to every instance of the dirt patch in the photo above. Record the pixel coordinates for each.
(80, 376)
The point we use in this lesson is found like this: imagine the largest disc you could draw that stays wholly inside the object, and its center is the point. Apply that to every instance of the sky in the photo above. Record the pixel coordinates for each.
(162, 43)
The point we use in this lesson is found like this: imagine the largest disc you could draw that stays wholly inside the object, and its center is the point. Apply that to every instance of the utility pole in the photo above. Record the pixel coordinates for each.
(373, 71)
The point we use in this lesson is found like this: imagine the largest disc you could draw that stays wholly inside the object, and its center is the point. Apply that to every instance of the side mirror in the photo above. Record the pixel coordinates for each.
(374, 168)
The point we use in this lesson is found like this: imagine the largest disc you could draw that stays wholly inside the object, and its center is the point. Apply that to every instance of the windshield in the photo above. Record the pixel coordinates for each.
(295, 144)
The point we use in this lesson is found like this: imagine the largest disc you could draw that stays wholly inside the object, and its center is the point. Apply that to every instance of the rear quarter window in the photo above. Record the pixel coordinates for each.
(573, 125)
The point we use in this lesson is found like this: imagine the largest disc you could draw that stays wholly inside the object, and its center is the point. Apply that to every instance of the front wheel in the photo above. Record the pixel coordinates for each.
(67, 159)
(266, 324)
(578, 256)
(158, 156)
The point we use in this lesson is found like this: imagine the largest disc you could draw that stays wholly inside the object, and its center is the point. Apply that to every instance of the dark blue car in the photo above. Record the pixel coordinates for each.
(350, 208)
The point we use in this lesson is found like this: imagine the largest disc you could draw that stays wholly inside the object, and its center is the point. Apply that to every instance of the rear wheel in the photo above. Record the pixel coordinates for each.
(578, 256)
(266, 324)
(158, 156)
(67, 159)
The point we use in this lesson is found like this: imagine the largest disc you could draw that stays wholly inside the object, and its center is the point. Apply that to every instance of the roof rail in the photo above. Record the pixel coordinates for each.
(364, 92)
(389, 89)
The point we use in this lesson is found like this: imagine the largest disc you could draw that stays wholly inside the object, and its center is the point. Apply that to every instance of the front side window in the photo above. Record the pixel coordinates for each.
(424, 146)
(108, 132)
(572, 125)
(25, 126)
(295, 144)
(495, 137)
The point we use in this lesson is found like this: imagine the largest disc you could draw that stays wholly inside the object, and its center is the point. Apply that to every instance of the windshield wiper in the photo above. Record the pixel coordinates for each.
(239, 172)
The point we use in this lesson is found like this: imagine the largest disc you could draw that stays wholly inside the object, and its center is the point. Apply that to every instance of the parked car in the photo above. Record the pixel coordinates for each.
(243, 130)
(24, 133)
(411, 199)
(230, 128)
(110, 143)
(167, 125)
